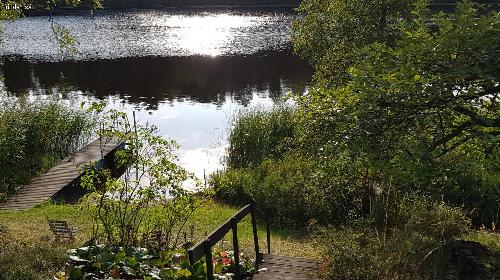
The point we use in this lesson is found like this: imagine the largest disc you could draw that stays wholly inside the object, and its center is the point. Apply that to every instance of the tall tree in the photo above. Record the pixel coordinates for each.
(331, 33)
(423, 111)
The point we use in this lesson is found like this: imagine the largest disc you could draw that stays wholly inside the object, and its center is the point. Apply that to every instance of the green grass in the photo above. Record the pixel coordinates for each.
(487, 238)
(284, 241)
(28, 251)
(28, 247)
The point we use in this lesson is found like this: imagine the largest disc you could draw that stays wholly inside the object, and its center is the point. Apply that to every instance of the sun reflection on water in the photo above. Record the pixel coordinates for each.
(203, 34)
(163, 33)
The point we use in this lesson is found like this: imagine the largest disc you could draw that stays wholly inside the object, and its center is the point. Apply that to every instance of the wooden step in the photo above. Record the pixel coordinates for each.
(286, 268)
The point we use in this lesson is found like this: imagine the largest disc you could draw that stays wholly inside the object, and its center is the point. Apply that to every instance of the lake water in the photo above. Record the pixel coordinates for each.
(187, 72)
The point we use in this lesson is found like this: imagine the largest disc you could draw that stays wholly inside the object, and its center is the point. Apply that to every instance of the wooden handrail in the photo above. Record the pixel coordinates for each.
(204, 247)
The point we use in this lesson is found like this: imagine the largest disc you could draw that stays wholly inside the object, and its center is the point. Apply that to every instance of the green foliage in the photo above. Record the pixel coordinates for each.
(33, 137)
(412, 107)
(438, 221)
(259, 134)
(149, 197)
(421, 112)
(104, 262)
(320, 191)
(67, 42)
(331, 33)
(413, 251)
(232, 186)
(29, 245)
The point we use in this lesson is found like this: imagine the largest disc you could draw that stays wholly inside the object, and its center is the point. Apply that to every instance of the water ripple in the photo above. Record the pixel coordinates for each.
(162, 33)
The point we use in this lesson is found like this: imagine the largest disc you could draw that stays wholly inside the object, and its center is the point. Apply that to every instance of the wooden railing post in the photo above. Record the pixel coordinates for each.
(268, 231)
(255, 236)
(204, 248)
(236, 249)
(209, 261)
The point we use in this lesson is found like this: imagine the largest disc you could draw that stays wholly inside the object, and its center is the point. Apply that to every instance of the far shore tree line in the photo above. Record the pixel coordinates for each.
(38, 5)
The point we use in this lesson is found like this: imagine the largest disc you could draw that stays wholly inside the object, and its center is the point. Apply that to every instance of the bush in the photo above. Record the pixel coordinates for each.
(273, 185)
(233, 186)
(418, 248)
(149, 197)
(293, 190)
(33, 137)
(438, 221)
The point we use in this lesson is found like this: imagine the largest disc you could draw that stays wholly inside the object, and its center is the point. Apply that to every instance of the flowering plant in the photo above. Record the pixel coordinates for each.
(224, 265)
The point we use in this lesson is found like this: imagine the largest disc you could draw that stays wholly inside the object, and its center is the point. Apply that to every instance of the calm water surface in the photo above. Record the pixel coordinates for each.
(187, 72)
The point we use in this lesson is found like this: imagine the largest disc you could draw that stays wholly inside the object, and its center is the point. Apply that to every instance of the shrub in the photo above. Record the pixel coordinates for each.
(33, 137)
(293, 190)
(438, 220)
(414, 250)
(233, 186)
(149, 197)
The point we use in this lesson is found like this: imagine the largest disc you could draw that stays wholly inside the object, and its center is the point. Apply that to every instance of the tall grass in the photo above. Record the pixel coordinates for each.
(260, 134)
(33, 137)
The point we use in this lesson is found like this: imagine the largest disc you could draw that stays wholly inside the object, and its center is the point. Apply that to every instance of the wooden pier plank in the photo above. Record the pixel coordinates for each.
(58, 177)
(286, 268)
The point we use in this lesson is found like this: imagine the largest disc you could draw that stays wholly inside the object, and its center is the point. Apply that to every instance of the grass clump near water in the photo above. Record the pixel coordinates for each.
(34, 137)
(260, 134)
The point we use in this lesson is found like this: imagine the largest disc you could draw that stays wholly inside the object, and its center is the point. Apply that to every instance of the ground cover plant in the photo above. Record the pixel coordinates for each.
(103, 262)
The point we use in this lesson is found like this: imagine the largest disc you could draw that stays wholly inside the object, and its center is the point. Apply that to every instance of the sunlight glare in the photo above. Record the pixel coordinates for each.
(206, 34)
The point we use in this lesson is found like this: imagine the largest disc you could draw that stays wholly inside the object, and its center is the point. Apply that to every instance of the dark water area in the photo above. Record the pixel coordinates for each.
(187, 72)
(153, 80)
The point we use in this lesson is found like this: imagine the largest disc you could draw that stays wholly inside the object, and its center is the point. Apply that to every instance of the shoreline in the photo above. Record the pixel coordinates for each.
(83, 11)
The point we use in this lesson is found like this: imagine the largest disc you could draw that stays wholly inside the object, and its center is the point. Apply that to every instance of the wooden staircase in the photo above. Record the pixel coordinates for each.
(268, 266)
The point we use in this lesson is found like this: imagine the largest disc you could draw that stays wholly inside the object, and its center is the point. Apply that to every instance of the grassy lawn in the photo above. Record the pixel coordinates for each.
(28, 251)
(286, 242)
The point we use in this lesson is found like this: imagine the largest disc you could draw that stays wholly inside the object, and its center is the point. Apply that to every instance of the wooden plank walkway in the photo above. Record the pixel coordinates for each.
(64, 174)
(289, 268)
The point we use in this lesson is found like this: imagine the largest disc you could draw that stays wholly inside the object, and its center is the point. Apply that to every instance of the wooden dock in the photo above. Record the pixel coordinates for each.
(286, 268)
(62, 177)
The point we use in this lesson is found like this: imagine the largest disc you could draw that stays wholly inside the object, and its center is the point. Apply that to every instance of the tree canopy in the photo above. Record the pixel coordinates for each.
(418, 106)
(331, 33)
